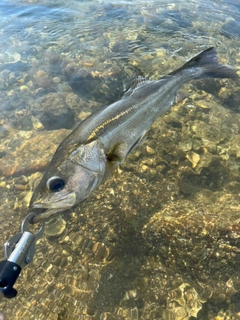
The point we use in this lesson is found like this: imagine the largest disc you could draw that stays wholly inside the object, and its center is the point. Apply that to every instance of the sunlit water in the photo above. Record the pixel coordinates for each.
(60, 61)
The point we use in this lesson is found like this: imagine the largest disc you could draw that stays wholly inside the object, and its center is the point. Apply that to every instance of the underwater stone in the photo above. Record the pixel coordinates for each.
(185, 145)
(55, 114)
(42, 79)
(55, 227)
(40, 144)
(193, 157)
(196, 143)
(37, 125)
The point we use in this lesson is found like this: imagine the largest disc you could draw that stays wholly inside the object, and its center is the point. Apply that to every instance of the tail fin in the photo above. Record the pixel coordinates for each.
(208, 67)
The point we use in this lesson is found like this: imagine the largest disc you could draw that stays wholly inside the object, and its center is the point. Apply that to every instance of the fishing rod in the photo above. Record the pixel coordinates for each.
(19, 252)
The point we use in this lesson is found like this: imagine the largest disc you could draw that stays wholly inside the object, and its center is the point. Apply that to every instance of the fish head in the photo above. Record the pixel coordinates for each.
(70, 178)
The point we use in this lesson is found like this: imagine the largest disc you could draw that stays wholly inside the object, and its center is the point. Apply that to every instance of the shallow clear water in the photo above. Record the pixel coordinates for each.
(160, 239)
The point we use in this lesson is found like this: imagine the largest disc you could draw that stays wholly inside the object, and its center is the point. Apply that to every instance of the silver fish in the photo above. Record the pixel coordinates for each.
(103, 140)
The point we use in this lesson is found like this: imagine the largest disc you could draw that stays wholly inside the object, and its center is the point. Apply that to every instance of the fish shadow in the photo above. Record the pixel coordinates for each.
(120, 277)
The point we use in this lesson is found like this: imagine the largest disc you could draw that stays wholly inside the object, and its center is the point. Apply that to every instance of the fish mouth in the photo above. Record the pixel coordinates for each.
(43, 215)
(48, 209)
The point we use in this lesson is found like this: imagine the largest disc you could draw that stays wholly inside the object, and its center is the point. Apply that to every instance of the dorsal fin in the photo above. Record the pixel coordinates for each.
(138, 82)
(141, 81)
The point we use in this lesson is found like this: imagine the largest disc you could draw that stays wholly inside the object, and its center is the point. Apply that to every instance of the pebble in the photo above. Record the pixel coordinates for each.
(20, 187)
(56, 80)
(185, 145)
(153, 171)
(70, 259)
(161, 167)
(83, 115)
(2, 184)
(224, 156)
(194, 158)
(42, 79)
(149, 150)
(196, 143)
(27, 198)
(206, 159)
(37, 125)
(144, 168)
(64, 88)
(24, 88)
(14, 57)
(55, 227)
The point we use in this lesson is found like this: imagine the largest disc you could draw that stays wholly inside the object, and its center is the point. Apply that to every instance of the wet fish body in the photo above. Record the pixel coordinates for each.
(103, 140)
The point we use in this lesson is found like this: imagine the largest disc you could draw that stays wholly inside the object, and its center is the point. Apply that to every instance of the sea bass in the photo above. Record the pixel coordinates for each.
(104, 140)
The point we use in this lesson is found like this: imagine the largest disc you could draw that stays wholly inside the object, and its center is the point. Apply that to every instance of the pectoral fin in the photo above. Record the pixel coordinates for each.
(121, 150)
(118, 152)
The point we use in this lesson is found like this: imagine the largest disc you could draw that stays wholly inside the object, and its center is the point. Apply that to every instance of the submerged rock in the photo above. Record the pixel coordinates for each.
(42, 145)
(42, 79)
(55, 113)
(55, 227)
(84, 84)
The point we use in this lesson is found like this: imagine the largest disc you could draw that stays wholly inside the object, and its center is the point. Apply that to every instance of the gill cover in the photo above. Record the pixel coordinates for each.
(90, 156)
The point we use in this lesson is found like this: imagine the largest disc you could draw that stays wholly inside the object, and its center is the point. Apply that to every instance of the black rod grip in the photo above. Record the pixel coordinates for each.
(9, 272)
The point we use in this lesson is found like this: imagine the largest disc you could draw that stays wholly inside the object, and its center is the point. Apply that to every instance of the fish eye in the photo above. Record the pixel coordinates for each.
(55, 184)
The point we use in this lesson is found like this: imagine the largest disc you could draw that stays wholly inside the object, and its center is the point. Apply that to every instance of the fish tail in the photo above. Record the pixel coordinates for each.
(206, 65)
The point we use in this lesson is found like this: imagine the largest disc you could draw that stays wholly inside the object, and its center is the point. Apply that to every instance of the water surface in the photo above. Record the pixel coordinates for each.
(160, 239)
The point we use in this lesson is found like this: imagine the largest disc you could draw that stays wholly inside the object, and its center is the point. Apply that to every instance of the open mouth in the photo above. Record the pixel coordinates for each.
(45, 211)
(61, 203)
(43, 215)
